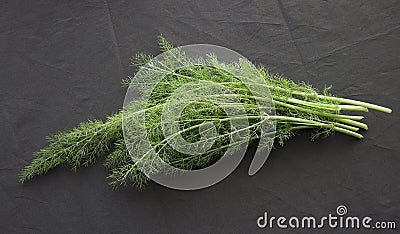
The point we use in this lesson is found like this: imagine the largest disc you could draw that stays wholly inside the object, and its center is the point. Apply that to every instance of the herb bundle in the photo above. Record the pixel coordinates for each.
(297, 106)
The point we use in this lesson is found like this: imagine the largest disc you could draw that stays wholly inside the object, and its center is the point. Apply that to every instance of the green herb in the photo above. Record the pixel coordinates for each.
(297, 106)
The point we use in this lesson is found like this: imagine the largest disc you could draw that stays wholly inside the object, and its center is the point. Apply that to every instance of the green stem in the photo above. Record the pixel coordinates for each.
(318, 113)
(336, 99)
(354, 123)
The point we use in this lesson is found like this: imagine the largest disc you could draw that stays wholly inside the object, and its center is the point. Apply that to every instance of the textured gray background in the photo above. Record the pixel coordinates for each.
(61, 64)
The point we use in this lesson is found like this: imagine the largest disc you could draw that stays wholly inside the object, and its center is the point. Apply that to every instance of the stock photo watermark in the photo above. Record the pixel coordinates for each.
(338, 220)
(191, 57)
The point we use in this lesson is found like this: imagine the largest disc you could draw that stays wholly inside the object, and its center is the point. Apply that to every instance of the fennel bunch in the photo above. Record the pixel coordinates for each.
(298, 106)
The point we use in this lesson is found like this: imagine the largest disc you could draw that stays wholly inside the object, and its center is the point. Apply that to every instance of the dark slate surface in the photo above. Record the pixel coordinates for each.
(61, 64)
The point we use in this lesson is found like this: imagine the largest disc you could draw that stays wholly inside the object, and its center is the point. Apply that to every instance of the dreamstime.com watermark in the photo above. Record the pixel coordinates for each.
(145, 82)
(334, 221)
